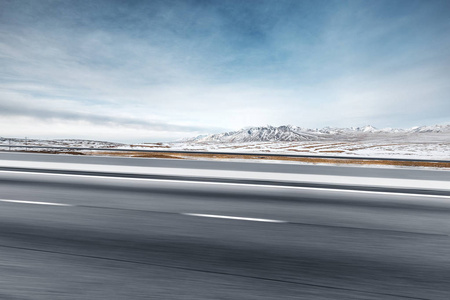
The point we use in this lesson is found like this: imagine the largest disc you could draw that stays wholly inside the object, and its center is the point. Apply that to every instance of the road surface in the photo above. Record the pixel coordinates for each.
(75, 236)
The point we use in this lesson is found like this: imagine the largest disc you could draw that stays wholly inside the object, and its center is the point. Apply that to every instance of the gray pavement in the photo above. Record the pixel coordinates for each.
(121, 238)
(405, 173)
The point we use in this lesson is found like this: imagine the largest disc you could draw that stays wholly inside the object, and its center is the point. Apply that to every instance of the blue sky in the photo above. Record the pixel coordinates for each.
(139, 71)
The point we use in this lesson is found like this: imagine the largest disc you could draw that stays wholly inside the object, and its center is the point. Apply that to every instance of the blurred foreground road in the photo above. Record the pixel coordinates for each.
(87, 236)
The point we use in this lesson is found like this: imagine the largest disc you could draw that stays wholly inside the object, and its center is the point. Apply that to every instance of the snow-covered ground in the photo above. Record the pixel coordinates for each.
(59, 143)
(418, 150)
(426, 142)
(382, 149)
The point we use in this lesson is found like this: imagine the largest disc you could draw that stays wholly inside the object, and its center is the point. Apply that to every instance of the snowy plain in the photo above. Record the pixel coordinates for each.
(426, 142)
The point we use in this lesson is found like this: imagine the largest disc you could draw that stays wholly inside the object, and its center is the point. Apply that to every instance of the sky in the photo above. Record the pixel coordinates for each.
(147, 71)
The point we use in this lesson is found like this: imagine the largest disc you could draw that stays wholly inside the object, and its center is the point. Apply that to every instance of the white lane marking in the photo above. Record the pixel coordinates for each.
(33, 202)
(236, 184)
(234, 218)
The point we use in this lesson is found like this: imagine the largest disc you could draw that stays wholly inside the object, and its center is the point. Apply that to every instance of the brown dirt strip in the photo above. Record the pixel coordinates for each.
(311, 160)
(331, 146)
(296, 150)
(331, 151)
(148, 146)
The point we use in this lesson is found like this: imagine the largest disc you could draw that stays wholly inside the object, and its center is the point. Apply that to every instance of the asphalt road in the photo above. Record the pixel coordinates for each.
(405, 173)
(76, 237)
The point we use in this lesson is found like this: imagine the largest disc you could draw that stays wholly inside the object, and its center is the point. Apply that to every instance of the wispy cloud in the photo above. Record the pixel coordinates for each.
(191, 67)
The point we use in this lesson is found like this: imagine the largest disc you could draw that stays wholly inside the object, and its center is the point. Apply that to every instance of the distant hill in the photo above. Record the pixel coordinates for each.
(59, 143)
(289, 133)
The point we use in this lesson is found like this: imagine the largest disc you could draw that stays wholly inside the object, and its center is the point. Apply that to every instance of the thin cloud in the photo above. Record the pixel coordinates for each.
(45, 114)
(195, 66)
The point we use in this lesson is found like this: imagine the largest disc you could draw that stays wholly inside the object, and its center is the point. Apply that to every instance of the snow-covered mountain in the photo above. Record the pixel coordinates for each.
(289, 133)
(266, 133)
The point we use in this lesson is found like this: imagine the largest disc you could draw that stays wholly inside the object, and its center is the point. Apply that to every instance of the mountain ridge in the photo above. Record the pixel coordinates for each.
(290, 133)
